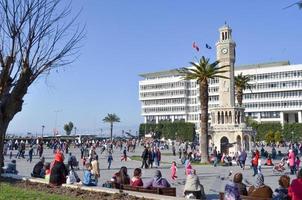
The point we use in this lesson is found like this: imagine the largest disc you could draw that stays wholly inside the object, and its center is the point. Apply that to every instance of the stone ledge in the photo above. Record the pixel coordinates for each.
(96, 188)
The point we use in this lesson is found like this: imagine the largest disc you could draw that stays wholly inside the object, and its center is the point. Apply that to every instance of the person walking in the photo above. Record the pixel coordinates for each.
(145, 158)
(30, 153)
(124, 156)
(255, 159)
(291, 159)
(242, 159)
(215, 157)
(109, 158)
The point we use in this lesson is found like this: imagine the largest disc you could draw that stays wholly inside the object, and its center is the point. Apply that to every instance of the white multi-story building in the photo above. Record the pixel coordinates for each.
(276, 94)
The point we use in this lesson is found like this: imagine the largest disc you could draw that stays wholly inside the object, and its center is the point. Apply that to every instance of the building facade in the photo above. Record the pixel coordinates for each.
(275, 96)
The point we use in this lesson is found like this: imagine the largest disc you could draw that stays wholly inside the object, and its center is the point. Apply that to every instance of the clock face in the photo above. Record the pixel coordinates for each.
(224, 50)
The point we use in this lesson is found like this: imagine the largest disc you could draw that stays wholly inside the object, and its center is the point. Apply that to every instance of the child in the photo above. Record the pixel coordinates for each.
(84, 161)
(88, 179)
(297, 163)
(124, 156)
(47, 171)
(259, 165)
(188, 167)
(173, 170)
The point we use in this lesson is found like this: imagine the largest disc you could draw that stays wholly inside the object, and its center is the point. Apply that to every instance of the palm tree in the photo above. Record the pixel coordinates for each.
(111, 118)
(202, 72)
(241, 83)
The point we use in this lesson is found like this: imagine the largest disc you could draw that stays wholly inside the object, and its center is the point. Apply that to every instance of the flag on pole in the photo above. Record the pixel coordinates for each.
(299, 3)
(208, 46)
(195, 46)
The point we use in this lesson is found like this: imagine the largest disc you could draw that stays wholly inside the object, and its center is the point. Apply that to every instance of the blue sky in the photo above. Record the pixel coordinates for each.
(125, 38)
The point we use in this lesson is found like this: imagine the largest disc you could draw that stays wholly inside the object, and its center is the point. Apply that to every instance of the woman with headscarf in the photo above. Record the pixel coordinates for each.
(294, 190)
(157, 181)
(260, 190)
(194, 187)
(238, 182)
(58, 171)
(121, 177)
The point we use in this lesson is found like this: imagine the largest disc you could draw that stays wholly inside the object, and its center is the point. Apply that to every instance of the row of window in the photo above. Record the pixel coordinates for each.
(164, 101)
(164, 85)
(178, 84)
(276, 75)
(163, 93)
(276, 104)
(270, 95)
(164, 109)
(274, 85)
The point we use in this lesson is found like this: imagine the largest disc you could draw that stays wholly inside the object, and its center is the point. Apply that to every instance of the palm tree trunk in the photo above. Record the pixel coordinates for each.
(203, 137)
(239, 96)
(111, 130)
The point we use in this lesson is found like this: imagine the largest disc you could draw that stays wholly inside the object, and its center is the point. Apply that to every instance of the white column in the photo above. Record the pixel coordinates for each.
(172, 118)
(156, 119)
(282, 118)
(145, 119)
(300, 116)
(259, 117)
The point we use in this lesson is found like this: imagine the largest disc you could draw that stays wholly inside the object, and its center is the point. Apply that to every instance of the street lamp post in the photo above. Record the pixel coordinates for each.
(42, 131)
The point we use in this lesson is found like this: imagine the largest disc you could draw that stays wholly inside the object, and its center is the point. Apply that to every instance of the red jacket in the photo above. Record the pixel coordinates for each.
(295, 189)
(136, 182)
(255, 160)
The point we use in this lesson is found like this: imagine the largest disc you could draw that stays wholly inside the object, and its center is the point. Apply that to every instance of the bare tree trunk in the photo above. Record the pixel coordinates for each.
(3, 128)
(203, 137)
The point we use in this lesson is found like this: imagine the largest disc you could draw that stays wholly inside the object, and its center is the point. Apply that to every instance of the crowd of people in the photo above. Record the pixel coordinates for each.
(59, 172)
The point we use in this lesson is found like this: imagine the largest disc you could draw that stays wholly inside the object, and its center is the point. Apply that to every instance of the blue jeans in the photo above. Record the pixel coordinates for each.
(255, 168)
(215, 161)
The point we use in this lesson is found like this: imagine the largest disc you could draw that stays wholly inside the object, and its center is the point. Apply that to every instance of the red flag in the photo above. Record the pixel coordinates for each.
(195, 46)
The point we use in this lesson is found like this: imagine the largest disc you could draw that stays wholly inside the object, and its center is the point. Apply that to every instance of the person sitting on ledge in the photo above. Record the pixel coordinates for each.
(157, 181)
(137, 180)
(193, 187)
(260, 190)
(88, 179)
(238, 182)
(58, 170)
(121, 177)
(11, 168)
(282, 191)
(38, 170)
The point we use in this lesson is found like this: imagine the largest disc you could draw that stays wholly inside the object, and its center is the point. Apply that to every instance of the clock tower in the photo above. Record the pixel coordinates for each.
(226, 55)
(228, 131)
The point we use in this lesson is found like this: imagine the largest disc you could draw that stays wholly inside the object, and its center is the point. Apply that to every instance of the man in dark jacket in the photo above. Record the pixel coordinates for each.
(38, 170)
(58, 170)
(145, 156)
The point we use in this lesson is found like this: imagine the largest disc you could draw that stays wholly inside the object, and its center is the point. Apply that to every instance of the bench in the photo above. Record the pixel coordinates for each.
(221, 197)
(160, 191)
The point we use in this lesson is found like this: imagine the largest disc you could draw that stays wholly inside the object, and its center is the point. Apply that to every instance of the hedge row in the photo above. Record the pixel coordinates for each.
(170, 130)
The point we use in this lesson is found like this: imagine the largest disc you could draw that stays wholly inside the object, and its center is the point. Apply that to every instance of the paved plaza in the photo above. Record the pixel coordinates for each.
(207, 173)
